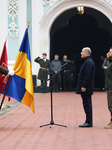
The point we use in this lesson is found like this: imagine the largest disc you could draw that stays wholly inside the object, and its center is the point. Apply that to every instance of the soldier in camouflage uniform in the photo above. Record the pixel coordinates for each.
(108, 87)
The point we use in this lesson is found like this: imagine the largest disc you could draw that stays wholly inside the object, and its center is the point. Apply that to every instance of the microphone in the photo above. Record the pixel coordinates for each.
(69, 61)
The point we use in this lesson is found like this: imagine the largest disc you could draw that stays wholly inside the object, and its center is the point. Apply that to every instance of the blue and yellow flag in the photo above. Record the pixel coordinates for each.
(21, 85)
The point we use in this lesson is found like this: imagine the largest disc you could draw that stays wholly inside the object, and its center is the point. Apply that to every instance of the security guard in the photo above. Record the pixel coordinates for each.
(43, 71)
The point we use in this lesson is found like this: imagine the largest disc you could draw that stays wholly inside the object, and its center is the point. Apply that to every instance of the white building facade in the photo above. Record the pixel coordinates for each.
(15, 15)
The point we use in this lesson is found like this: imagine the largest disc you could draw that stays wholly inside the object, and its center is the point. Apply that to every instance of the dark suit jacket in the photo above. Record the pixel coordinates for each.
(86, 77)
(43, 73)
(67, 67)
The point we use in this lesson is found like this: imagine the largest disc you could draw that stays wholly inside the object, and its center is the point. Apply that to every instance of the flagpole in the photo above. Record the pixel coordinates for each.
(10, 76)
(5, 92)
(7, 85)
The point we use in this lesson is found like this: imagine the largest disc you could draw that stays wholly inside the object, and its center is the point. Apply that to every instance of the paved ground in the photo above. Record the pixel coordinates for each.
(11, 104)
(19, 128)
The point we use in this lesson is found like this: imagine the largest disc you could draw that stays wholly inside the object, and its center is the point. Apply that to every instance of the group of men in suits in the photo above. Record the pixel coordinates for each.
(67, 74)
(85, 83)
(85, 80)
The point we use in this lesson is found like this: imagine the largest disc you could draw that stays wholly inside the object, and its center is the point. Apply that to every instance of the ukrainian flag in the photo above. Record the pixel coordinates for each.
(21, 85)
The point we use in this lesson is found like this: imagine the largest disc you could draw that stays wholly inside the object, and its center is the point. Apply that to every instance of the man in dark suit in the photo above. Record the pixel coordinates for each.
(72, 74)
(43, 71)
(56, 68)
(66, 74)
(86, 84)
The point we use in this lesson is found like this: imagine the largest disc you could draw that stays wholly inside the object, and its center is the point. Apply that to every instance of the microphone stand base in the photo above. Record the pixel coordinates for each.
(51, 124)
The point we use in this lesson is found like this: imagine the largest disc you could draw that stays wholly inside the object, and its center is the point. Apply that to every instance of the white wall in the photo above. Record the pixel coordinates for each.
(37, 13)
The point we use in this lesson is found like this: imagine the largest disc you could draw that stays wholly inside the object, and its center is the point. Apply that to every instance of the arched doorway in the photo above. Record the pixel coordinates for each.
(57, 9)
(71, 32)
(60, 7)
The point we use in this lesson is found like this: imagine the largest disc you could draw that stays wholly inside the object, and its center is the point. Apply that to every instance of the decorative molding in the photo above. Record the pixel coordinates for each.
(109, 1)
(51, 2)
(48, 2)
(12, 13)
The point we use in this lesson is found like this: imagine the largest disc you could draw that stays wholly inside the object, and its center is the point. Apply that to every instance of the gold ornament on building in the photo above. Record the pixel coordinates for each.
(80, 10)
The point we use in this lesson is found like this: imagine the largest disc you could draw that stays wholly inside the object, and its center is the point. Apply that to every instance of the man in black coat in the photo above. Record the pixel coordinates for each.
(86, 84)
(72, 74)
(66, 74)
(43, 71)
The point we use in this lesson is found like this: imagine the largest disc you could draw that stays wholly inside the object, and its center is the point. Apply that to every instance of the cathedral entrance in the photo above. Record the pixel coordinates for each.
(71, 32)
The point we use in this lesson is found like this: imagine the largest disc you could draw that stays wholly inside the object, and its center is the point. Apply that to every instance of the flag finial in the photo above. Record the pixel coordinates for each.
(28, 23)
(6, 38)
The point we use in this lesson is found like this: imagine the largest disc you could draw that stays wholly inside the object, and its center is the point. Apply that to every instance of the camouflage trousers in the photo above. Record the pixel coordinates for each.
(109, 100)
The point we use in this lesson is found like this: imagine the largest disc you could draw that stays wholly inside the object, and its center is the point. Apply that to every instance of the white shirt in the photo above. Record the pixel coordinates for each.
(44, 60)
(65, 60)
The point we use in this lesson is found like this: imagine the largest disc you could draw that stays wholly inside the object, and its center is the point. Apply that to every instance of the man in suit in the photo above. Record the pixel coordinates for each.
(43, 71)
(66, 74)
(72, 74)
(86, 84)
(56, 68)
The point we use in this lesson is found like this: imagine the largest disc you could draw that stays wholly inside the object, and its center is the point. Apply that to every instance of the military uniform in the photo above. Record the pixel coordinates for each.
(44, 70)
(108, 86)
(3, 70)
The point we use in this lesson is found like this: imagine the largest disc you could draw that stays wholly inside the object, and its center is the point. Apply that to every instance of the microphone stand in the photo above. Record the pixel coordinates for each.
(51, 89)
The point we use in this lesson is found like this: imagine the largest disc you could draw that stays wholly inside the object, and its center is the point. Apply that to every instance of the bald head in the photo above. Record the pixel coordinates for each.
(86, 52)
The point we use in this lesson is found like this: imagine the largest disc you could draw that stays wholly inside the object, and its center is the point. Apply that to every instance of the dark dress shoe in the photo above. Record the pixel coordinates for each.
(86, 125)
